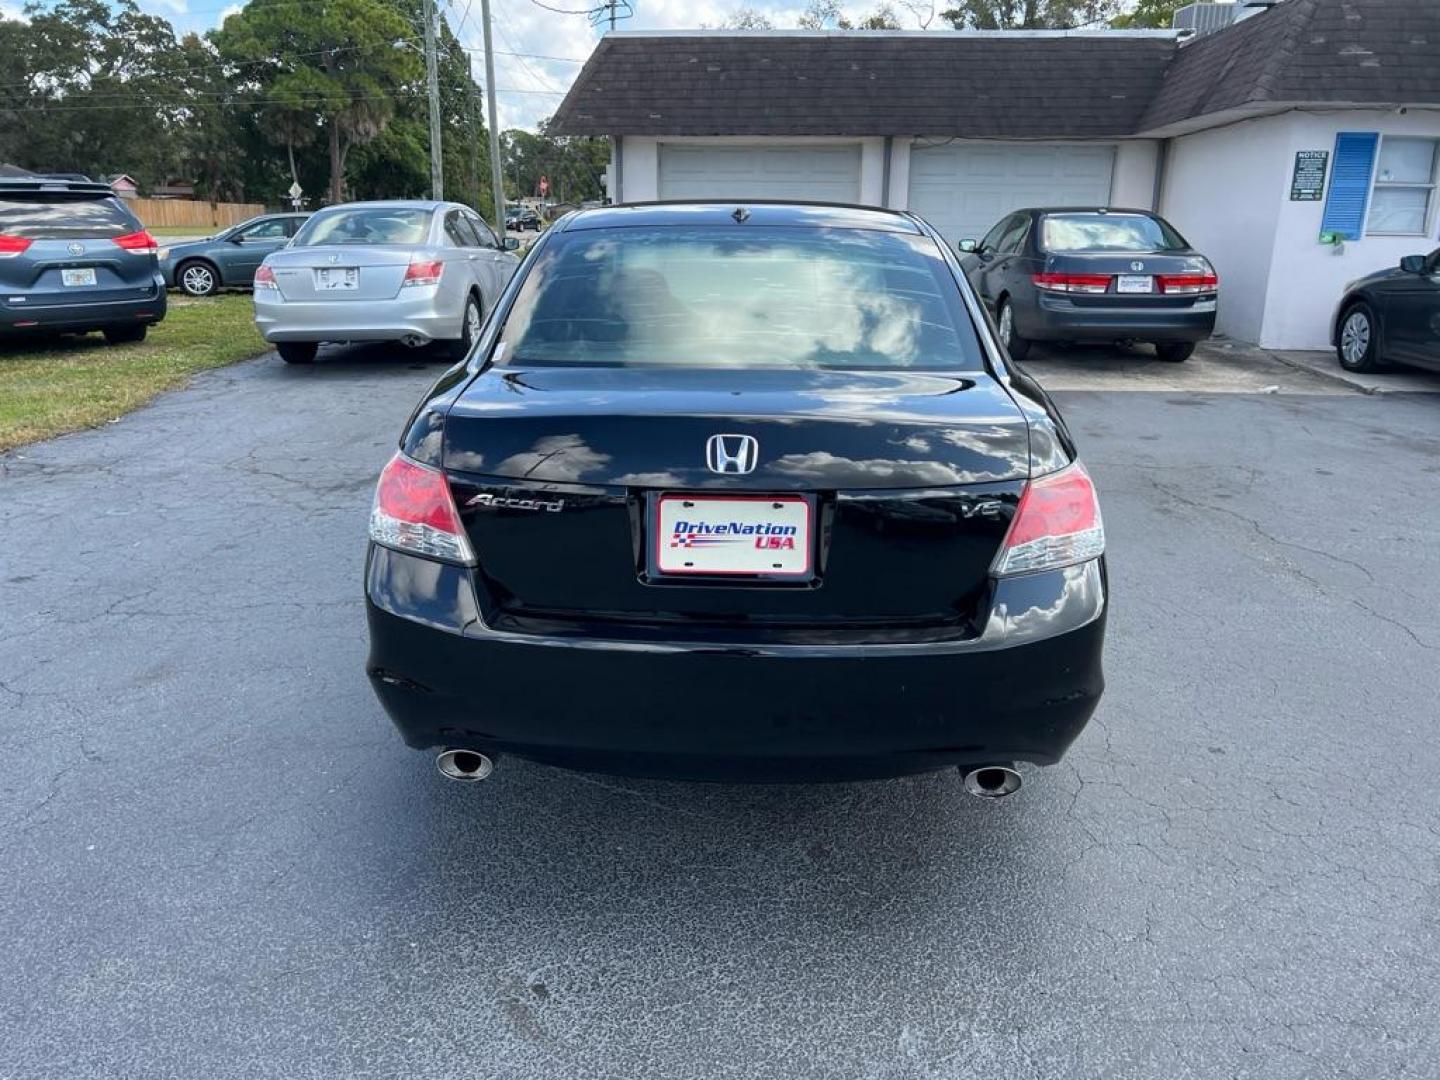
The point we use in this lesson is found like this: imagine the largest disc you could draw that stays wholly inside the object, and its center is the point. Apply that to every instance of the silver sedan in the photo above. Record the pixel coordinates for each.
(413, 272)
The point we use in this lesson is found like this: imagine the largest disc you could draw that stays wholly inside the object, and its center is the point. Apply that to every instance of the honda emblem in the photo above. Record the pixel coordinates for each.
(732, 453)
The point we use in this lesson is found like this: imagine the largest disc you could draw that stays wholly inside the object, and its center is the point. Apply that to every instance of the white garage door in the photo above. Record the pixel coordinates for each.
(818, 173)
(964, 189)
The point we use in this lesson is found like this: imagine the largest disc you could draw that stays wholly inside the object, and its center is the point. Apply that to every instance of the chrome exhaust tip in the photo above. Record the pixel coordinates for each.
(992, 781)
(414, 341)
(464, 765)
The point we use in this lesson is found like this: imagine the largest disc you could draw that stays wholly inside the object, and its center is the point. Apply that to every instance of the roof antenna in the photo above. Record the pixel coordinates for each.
(741, 215)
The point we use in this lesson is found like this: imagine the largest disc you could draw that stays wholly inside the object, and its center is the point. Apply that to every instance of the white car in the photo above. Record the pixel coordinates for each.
(414, 271)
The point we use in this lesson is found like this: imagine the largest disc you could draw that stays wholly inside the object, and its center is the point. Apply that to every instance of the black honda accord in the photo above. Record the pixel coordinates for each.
(742, 493)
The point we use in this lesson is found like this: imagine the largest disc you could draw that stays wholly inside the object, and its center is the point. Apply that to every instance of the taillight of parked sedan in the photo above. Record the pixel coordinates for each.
(423, 272)
(140, 241)
(265, 278)
(1057, 523)
(1072, 283)
(1187, 283)
(11, 246)
(415, 512)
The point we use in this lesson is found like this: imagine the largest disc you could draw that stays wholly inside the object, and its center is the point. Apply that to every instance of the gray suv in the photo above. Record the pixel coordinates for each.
(73, 258)
(228, 259)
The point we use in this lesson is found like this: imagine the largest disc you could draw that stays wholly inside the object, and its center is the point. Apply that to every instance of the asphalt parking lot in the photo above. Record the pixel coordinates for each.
(218, 861)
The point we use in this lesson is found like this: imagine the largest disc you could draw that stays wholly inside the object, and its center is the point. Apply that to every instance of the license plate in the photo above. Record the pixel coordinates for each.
(1133, 283)
(78, 277)
(712, 534)
(339, 277)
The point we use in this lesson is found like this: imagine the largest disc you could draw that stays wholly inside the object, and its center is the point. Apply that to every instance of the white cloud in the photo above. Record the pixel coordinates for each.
(179, 7)
(12, 11)
(233, 9)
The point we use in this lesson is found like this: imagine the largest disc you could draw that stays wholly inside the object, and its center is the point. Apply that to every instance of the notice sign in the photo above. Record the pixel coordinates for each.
(1308, 183)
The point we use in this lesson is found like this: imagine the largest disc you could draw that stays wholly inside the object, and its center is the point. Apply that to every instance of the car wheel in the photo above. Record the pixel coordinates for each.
(197, 279)
(1017, 346)
(470, 325)
(127, 334)
(1358, 344)
(297, 352)
(1174, 352)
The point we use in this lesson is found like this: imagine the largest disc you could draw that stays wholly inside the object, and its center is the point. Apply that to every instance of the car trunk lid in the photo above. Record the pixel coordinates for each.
(910, 480)
(1130, 278)
(342, 272)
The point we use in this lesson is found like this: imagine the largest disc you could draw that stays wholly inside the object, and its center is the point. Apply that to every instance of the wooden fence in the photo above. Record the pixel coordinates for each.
(184, 213)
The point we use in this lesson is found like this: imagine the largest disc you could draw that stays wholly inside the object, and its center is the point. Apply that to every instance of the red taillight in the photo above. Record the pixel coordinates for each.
(13, 245)
(414, 512)
(1056, 524)
(265, 278)
(1081, 283)
(423, 273)
(1187, 283)
(137, 241)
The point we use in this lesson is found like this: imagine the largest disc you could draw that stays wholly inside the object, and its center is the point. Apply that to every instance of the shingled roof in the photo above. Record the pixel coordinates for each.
(1097, 84)
(1362, 52)
(866, 83)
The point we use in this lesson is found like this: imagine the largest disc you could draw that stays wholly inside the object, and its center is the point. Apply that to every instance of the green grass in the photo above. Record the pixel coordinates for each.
(49, 387)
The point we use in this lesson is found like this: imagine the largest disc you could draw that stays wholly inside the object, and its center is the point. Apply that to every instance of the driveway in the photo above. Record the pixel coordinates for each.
(218, 861)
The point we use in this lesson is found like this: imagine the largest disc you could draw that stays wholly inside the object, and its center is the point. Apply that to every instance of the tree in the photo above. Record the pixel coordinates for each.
(343, 63)
(747, 18)
(1149, 14)
(1028, 14)
(828, 14)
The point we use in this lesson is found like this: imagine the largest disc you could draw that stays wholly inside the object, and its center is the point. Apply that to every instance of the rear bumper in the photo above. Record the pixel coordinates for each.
(1021, 691)
(1057, 318)
(414, 313)
(78, 317)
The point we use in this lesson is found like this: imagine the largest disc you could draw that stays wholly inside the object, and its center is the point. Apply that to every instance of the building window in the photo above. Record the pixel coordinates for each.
(1403, 190)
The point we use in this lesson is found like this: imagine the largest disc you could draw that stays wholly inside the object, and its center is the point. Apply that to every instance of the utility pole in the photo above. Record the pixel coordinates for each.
(496, 177)
(474, 96)
(432, 77)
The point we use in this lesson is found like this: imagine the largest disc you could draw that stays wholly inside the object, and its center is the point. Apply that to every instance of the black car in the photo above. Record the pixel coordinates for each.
(230, 258)
(740, 492)
(73, 258)
(521, 218)
(1093, 274)
(1392, 316)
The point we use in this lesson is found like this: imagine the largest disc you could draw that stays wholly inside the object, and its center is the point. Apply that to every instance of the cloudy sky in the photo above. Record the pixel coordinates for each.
(553, 45)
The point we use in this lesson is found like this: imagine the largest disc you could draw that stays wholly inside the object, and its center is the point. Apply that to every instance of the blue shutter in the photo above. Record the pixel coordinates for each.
(1350, 183)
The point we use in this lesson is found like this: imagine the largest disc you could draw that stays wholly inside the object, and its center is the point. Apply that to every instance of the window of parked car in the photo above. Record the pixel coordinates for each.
(61, 219)
(751, 297)
(995, 235)
(460, 234)
(1014, 236)
(366, 225)
(1403, 189)
(482, 230)
(265, 230)
(1107, 232)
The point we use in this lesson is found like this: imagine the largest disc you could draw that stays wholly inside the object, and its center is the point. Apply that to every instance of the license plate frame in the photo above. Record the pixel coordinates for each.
(723, 559)
(78, 277)
(1135, 284)
(326, 279)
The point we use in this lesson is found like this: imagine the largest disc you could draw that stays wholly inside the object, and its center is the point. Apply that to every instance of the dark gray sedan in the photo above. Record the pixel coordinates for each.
(228, 259)
(1093, 274)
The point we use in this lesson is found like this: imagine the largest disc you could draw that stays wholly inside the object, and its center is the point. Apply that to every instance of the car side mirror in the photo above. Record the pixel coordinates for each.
(511, 244)
(965, 247)
(1413, 264)
(235, 239)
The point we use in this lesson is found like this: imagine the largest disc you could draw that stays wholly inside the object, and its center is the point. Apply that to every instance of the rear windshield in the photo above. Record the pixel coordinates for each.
(366, 226)
(63, 219)
(741, 297)
(1107, 232)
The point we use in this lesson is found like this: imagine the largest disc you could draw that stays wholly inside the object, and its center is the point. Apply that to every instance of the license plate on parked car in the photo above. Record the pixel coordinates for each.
(84, 276)
(712, 534)
(1135, 283)
(338, 277)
